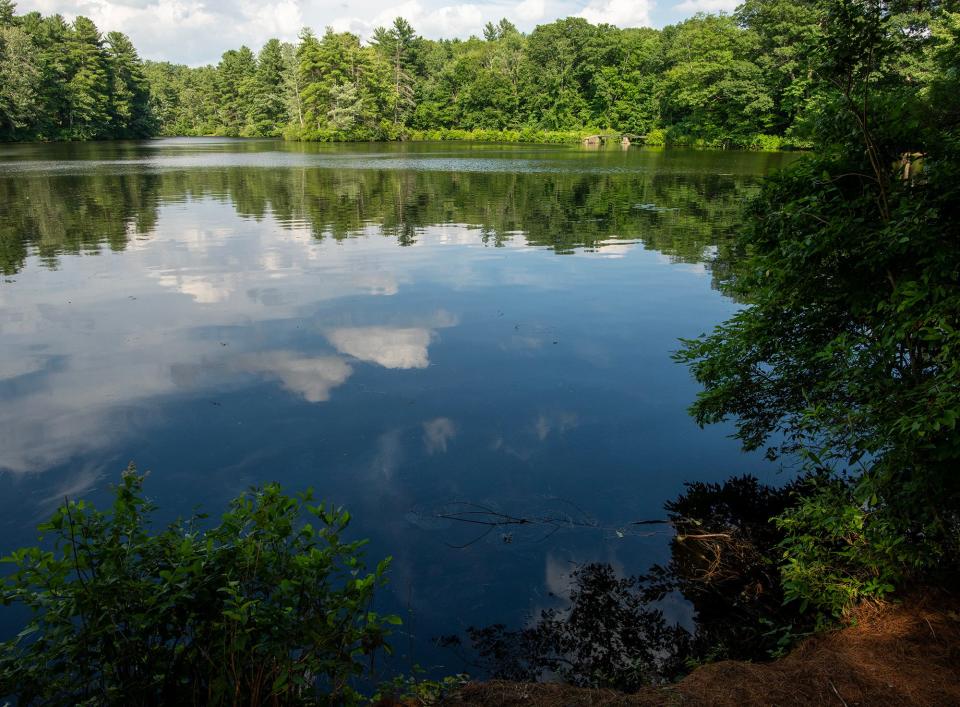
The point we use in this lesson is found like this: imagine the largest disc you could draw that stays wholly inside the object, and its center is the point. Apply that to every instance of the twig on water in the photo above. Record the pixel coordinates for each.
(471, 513)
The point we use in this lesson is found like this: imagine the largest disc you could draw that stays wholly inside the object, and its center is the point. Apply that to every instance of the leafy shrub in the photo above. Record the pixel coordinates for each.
(843, 544)
(264, 608)
(656, 138)
(415, 690)
(773, 143)
(767, 143)
(293, 132)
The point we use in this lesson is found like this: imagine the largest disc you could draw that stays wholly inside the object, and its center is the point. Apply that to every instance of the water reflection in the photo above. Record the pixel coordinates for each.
(437, 433)
(679, 213)
(313, 378)
(717, 598)
(228, 313)
(390, 347)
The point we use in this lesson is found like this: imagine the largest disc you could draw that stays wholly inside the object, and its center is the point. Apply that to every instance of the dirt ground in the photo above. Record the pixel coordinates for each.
(896, 654)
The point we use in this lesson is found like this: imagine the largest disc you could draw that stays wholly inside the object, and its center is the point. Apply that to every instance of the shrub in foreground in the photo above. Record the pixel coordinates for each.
(263, 608)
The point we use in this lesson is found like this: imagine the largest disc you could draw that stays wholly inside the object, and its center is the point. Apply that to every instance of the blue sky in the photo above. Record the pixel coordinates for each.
(197, 31)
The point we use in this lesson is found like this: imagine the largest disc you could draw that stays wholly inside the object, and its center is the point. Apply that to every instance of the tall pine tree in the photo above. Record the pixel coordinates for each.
(130, 96)
(88, 88)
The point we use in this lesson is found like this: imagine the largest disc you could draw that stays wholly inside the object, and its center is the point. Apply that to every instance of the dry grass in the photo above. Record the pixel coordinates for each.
(896, 654)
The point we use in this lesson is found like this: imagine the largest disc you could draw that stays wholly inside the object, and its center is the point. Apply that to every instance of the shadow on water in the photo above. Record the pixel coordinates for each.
(629, 632)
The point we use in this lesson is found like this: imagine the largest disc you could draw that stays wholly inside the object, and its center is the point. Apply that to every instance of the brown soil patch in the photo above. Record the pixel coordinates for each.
(896, 654)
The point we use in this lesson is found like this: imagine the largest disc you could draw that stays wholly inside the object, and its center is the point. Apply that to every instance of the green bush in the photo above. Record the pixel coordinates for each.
(766, 143)
(656, 138)
(263, 608)
(416, 690)
(837, 552)
(293, 132)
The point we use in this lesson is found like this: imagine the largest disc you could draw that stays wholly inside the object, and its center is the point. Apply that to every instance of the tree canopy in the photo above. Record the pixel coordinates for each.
(708, 79)
(65, 81)
(713, 79)
(847, 351)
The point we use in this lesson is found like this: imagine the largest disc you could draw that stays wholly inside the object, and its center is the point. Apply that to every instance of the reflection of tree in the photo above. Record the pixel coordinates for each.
(53, 215)
(610, 636)
(679, 214)
(614, 632)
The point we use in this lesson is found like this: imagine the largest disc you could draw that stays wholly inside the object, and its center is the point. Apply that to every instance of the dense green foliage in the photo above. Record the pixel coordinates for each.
(711, 80)
(61, 81)
(263, 608)
(708, 80)
(848, 351)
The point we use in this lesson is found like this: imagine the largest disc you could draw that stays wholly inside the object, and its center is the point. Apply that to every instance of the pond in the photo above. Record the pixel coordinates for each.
(413, 330)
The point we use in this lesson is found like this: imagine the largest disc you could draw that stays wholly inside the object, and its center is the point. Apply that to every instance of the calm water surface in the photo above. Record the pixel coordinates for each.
(400, 327)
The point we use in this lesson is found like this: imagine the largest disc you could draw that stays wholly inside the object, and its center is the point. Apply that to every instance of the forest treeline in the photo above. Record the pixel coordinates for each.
(739, 80)
(67, 81)
(721, 79)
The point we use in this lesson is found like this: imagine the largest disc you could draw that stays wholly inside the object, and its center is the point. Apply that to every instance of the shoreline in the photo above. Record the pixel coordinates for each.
(892, 653)
(757, 143)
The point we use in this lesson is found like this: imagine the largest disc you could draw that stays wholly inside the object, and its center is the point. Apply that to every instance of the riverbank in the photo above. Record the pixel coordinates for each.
(890, 654)
(656, 137)
(653, 138)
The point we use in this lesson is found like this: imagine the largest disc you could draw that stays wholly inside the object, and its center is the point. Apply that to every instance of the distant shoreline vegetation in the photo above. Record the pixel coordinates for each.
(654, 138)
(713, 81)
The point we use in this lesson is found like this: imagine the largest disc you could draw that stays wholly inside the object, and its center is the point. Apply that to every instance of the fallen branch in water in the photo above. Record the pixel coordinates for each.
(705, 536)
(555, 519)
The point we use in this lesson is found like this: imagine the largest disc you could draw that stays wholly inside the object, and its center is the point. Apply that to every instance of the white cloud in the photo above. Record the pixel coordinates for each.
(203, 290)
(623, 13)
(557, 576)
(531, 10)
(74, 487)
(89, 397)
(614, 250)
(378, 283)
(692, 6)
(390, 347)
(313, 378)
(389, 454)
(198, 31)
(460, 20)
(36, 437)
(277, 18)
(454, 21)
(436, 434)
(519, 342)
(187, 31)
